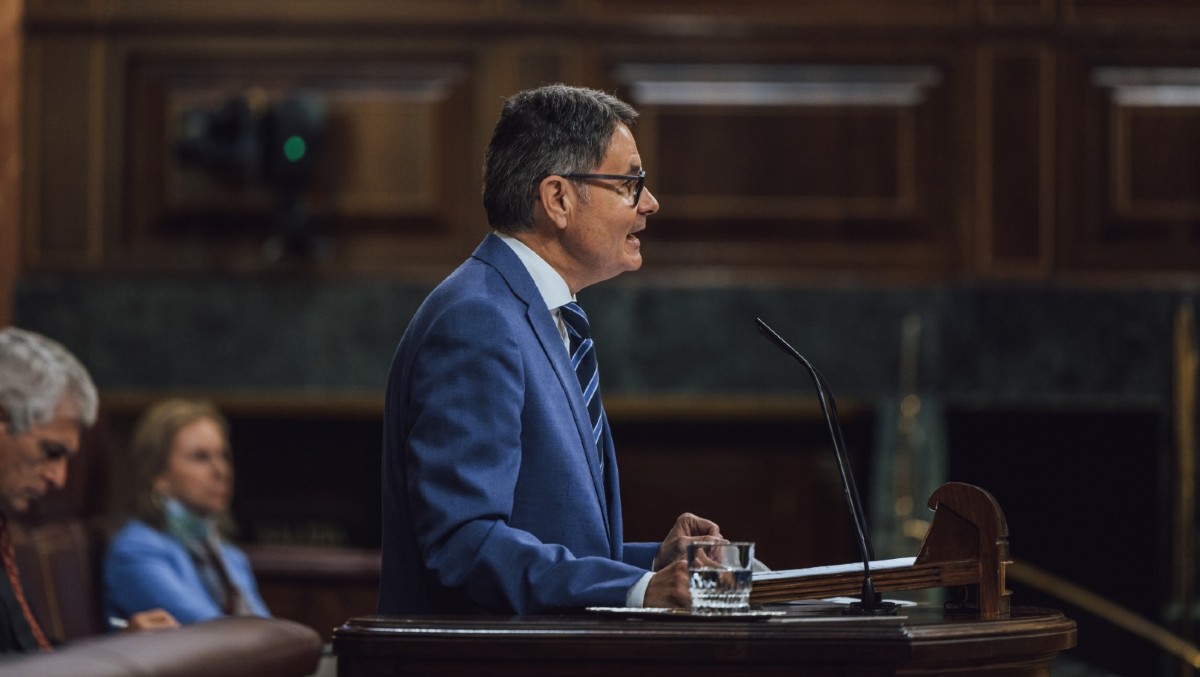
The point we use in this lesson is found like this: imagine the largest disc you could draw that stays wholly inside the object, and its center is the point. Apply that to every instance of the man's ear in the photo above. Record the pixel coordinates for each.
(557, 199)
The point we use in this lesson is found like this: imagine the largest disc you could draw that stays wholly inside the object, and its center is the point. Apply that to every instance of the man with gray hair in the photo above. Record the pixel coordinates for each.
(47, 398)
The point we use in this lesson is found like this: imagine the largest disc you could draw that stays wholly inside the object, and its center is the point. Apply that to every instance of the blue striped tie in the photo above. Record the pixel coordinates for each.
(583, 359)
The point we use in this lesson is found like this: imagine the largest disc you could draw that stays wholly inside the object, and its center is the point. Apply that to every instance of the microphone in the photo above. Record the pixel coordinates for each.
(870, 603)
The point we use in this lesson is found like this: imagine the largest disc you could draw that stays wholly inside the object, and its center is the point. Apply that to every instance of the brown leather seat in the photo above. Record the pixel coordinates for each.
(59, 568)
(228, 647)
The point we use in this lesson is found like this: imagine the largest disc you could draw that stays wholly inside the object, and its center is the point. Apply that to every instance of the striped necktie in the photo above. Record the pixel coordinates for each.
(583, 359)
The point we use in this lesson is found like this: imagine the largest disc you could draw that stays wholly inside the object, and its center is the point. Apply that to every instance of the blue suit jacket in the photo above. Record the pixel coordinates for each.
(145, 568)
(493, 495)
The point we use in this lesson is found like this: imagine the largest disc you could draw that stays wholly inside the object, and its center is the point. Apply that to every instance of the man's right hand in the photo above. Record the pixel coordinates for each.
(669, 587)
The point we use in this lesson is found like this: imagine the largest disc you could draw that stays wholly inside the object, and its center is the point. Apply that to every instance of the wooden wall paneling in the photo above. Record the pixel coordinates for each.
(1015, 159)
(538, 66)
(386, 186)
(807, 163)
(1018, 11)
(31, 179)
(770, 480)
(541, 61)
(64, 198)
(1155, 137)
(851, 186)
(319, 587)
(11, 43)
(1072, 128)
(227, 15)
(452, 227)
(693, 16)
(502, 65)
(373, 14)
(1128, 13)
(118, 142)
(1138, 165)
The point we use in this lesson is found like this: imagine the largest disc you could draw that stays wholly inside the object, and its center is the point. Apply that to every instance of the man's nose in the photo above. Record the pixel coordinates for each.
(647, 203)
(56, 473)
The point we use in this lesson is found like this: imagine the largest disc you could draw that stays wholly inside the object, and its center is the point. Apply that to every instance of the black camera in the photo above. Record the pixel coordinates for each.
(279, 143)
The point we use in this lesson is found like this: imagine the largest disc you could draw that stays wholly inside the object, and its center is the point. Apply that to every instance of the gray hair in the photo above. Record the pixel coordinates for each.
(36, 374)
(554, 129)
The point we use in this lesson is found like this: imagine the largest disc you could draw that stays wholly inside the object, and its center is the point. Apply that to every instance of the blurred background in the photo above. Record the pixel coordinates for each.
(980, 219)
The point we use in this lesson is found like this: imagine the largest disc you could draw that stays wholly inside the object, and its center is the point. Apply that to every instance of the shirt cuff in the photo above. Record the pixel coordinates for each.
(636, 597)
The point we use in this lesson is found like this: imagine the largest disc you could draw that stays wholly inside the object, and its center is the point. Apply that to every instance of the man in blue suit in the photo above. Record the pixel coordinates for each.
(500, 485)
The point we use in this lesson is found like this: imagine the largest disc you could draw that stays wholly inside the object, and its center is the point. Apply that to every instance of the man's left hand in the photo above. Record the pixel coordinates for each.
(688, 528)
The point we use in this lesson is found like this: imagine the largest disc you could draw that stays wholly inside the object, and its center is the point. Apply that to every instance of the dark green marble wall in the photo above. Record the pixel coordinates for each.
(989, 345)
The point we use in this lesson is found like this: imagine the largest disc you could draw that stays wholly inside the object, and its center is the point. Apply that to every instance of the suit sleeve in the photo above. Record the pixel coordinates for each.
(463, 457)
(641, 555)
(140, 575)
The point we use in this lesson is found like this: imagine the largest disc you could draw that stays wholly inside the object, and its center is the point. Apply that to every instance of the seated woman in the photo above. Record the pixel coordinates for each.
(170, 552)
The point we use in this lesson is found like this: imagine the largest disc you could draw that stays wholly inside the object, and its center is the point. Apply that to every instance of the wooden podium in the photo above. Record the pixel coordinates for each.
(967, 545)
(917, 641)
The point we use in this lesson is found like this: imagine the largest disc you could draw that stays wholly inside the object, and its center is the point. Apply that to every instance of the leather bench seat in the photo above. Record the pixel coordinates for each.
(225, 647)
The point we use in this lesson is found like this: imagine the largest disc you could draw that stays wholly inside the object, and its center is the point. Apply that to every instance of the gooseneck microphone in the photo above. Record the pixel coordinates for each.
(871, 602)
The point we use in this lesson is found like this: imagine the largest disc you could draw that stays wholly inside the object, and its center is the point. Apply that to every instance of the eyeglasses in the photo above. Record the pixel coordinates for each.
(640, 178)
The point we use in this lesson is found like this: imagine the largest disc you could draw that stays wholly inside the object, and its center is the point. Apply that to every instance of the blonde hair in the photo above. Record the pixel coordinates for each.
(150, 449)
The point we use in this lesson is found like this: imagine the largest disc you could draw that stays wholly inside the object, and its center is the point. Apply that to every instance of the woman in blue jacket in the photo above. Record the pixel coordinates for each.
(170, 552)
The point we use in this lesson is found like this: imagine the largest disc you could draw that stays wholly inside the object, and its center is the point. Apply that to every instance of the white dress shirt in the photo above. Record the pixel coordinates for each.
(557, 294)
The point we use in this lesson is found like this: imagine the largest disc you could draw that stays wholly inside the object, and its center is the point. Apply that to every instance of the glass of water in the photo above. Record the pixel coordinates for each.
(720, 576)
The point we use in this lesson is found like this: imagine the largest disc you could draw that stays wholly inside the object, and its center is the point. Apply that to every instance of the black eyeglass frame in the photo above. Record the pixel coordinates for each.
(640, 177)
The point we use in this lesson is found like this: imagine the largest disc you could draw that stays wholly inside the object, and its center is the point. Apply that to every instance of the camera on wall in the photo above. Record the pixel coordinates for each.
(251, 139)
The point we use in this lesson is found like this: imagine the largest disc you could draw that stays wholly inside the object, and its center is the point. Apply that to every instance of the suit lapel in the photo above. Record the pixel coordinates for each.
(497, 254)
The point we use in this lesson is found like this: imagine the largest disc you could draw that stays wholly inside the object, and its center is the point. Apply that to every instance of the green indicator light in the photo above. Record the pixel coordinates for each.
(294, 148)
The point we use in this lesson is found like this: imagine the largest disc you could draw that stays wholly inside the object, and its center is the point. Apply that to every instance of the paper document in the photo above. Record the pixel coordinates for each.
(851, 567)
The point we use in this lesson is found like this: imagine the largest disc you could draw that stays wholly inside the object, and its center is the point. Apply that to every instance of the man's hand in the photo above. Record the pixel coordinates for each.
(669, 587)
(154, 619)
(688, 528)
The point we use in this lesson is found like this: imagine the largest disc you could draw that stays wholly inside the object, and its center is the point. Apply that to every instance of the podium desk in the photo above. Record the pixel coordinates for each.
(807, 641)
